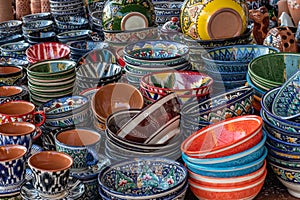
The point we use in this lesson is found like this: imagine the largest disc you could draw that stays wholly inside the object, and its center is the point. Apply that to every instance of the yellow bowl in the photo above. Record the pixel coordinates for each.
(214, 19)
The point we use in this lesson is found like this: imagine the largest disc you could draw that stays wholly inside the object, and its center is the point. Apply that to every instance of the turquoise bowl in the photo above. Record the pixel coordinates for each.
(238, 159)
(226, 172)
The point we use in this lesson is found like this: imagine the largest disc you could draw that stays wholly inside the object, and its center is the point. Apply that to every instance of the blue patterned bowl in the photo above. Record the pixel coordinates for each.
(38, 26)
(36, 16)
(241, 158)
(42, 36)
(238, 170)
(266, 102)
(282, 154)
(143, 178)
(71, 22)
(234, 58)
(11, 25)
(72, 35)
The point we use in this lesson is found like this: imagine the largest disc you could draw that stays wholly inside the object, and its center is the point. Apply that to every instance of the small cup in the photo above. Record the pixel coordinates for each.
(12, 166)
(51, 171)
(20, 111)
(21, 133)
(81, 144)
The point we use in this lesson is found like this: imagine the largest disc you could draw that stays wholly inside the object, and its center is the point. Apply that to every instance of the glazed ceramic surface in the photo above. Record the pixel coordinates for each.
(12, 93)
(11, 75)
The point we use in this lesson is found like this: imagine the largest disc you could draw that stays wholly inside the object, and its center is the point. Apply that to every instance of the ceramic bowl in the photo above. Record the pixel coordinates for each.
(227, 105)
(243, 191)
(8, 60)
(42, 36)
(72, 35)
(36, 16)
(286, 146)
(230, 181)
(282, 154)
(288, 177)
(11, 26)
(128, 15)
(11, 38)
(209, 20)
(11, 75)
(131, 170)
(237, 159)
(13, 93)
(213, 137)
(277, 68)
(266, 102)
(14, 49)
(47, 51)
(273, 158)
(71, 22)
(38, 26)
(233, 58)
(82, 47)
(116, 96)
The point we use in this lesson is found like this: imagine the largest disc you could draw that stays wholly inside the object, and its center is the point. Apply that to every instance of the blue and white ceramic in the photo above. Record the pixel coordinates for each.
(36, 16)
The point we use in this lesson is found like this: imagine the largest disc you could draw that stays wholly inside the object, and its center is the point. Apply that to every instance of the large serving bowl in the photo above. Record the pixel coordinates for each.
(243, 191)
(146, 178)
(47, 51)
(224, 138)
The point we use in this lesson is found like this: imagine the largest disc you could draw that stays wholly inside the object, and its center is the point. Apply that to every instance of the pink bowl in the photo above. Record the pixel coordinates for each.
(224, 138)
(47, 51)
(228, 182)
(243, 191)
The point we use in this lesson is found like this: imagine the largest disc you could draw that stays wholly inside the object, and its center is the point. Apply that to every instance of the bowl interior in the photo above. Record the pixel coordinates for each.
(47, 50)
(52, 66)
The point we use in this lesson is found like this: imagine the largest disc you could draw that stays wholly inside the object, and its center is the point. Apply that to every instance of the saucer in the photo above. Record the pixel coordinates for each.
(12, 193)
(92, 171)
(74, 190)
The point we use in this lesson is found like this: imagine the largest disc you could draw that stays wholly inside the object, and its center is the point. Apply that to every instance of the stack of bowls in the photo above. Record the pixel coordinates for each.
(66, 111)
(10, 28)
(196, 114)
(38, 37)
(36, 27)
(228, 65)
(37, 16)
(81, 47)
(50, 79)
(165, 10)
(271, 71)
(15, 49)
(226, 160)
(69, 23)
(158, 54)
(114, 97)
(186, 84)
(68, 36)
(282, 127)
(95, 21)
(47, 51)
(143, 178)
(153, 131)
(97, 68)
(67, 8)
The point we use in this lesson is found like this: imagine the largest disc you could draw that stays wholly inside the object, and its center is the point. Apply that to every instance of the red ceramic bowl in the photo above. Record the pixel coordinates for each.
(47, 51)
(224, 138)
(228, 182)
(243, 191)
(180, 82)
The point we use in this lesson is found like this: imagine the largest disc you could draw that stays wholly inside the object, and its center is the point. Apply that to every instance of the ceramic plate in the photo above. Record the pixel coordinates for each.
(74, 191)
(287, 100)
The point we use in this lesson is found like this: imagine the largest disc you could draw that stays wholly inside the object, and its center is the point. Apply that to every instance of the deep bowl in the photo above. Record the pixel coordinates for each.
(47, 51)
(37, 26)
(42, 36)
(146, 178)
(224, 138)
(36, 16)
(9, 25)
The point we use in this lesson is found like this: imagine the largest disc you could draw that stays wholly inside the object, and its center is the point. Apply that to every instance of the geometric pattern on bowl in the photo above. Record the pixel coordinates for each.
(287, 100)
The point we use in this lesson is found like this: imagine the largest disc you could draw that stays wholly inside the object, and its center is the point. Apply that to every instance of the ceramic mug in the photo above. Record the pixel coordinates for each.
(21, 133)
(51, 171)
(20, 111)
(81, 144)
(12, 166)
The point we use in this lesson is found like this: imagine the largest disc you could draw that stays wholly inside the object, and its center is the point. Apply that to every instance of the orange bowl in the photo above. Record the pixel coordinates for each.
(224, 138)
(243, 191)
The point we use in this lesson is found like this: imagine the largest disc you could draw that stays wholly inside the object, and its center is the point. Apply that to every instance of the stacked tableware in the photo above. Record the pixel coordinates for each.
(15, 49)
(186, 84)
(271, 71)
(73, 35)
(38, 37)
(47, 51)
(66, 111)
(50, 79)
(165, 10)
(226, 160)
(95, 21)
(81, 47)
(114, 97)
(97, 68)
(37, 27)
(67, 8)
(197, 114)
(143, 57)
(280, 114)
(69, 23)
(228, 65)
(143, 178)
(150, 132)
(37, 16)
(10, 28)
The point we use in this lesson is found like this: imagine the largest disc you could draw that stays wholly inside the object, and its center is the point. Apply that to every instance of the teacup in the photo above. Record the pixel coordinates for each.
(51, 171)
(21, 133)
(81, 144)
(11, 75)
(12, 166)
(20, 111)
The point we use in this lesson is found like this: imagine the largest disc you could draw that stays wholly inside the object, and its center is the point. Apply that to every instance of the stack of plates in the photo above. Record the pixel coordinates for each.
(50, 79)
